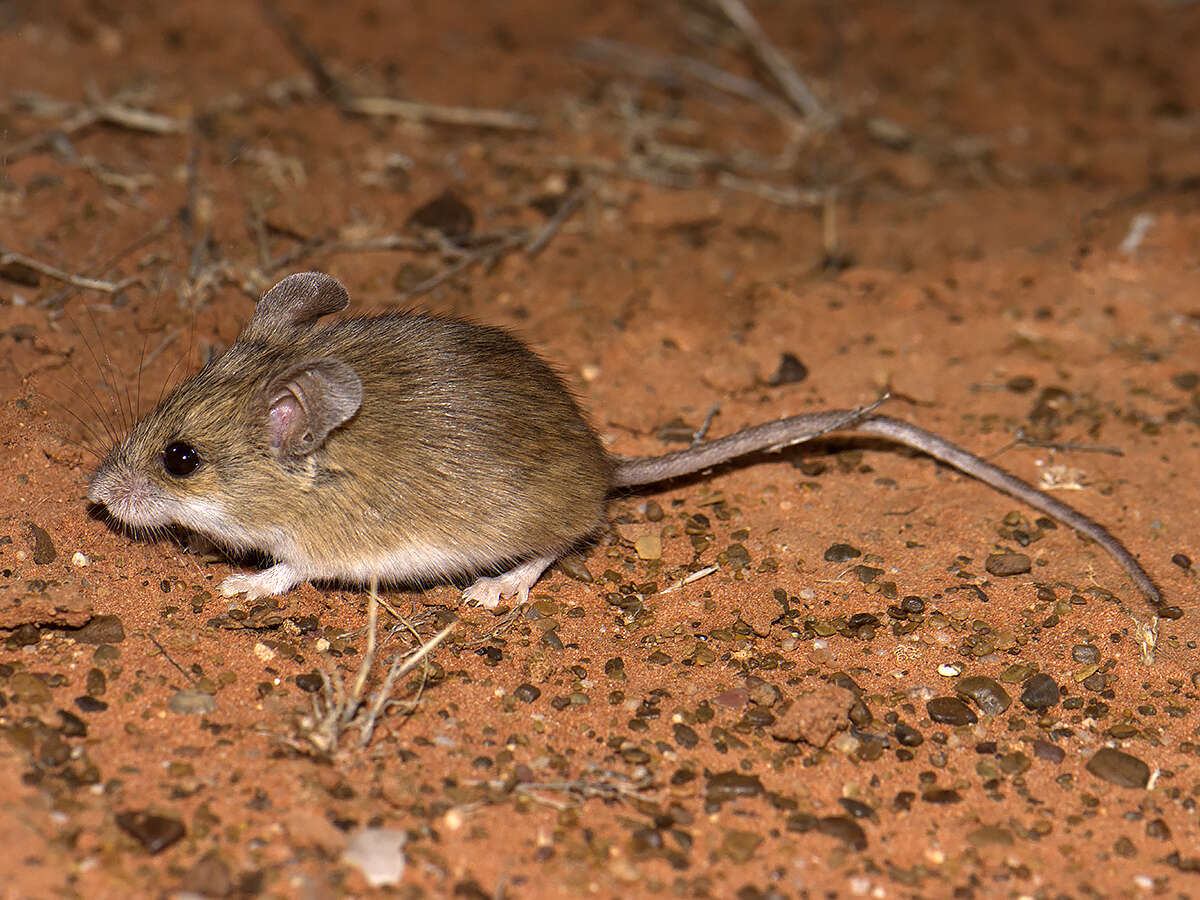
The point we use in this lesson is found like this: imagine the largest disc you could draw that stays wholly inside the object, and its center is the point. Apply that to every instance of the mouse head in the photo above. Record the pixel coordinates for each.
(221, 446)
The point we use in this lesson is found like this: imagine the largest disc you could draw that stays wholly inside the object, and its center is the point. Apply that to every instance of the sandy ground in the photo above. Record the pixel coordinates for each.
(994, 214)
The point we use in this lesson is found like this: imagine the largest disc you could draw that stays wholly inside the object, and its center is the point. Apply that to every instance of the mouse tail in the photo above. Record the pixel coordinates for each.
(634, 471)
(942, 450)
(642, 470)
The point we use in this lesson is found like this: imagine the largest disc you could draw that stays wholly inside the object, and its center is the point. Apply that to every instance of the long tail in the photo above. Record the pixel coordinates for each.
(634, 471)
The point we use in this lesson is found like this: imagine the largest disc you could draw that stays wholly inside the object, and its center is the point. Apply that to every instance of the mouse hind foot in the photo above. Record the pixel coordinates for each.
(267, 583)
(516, 582)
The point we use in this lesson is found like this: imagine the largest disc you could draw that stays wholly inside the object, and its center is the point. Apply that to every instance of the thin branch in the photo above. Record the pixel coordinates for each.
(671, 70)
(115, 111)
(304, 51)
(439, 114)
(351, 104)
(565, 210)
(8, 258)
(794, 87)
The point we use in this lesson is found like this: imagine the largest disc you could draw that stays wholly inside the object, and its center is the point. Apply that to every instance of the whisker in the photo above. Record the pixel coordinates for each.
(102, 370)
(86, 399)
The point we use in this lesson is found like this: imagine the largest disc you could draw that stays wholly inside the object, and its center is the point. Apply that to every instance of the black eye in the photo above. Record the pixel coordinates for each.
(180, 459)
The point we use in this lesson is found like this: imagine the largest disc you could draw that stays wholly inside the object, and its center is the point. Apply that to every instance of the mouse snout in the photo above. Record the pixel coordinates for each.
(127, 495)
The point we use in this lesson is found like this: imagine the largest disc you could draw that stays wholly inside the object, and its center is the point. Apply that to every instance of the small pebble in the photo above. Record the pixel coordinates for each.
(1040, 692)
(841, 553)
(648, 546)
(378, 853)
(1007, 563)
(99, 630)
(527, 693)
(1048, 751)
(190, 702)
(985, 693)
(950, 711)
(907, 736)
(790, 371)
(1119, 768)
(44, 552)
(90, 704)
(155, 833)
(1085, 653)
(725, 786)
(844, 829)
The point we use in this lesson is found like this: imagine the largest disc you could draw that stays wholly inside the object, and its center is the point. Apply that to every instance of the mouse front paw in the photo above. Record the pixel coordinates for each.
(275, 580)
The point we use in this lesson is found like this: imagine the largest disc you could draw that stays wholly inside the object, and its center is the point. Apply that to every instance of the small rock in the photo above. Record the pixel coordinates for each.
(844, 829)
(990, 836)
(446, 213)
(1007, 563)
(950, 711)
(1085, 653)
(986, 693)
(734, 698)
(573, 566)
(1119, 768)
(26, 635)
(739, 846)
(378, 853)
(1040, 692)
(527, 692)
(155, 833)
(190, 702)
(1048, 751)
(790, 371)
(841, 553)
(43, 545)
(648, 546)
(725, 786)
(209, 877)
(100, 630)
(29, 688)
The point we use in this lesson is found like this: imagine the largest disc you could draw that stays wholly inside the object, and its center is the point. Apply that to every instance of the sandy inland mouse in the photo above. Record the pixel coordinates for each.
(412, 448)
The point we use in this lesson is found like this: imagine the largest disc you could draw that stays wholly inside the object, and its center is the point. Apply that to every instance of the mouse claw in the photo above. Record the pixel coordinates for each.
(516, 582)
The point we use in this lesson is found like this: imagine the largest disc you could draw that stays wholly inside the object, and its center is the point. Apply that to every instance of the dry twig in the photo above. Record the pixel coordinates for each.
(672, 70)
(10, 258)
(352, 104)
(337, 709)
(794, 87)
(117, 110)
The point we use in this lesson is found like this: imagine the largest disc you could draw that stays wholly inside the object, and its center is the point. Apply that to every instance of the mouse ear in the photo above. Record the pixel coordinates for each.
(296, 301)
(307, 401)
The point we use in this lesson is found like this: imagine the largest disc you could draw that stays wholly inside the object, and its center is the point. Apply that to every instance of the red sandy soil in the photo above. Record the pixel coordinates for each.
(998, 219)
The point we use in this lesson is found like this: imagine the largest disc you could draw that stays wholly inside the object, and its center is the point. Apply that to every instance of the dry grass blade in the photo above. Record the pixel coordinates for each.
(350, 104)
(117, 110)
(337, 709)
(9, 258)
(673, 70)
(794, 87)
(440, 114)
(565, 210)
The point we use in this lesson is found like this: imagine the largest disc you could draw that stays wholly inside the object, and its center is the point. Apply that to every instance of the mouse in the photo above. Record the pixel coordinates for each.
(414, 448)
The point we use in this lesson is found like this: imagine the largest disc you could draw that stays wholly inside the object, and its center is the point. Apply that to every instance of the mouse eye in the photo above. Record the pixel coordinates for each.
(180, 459)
